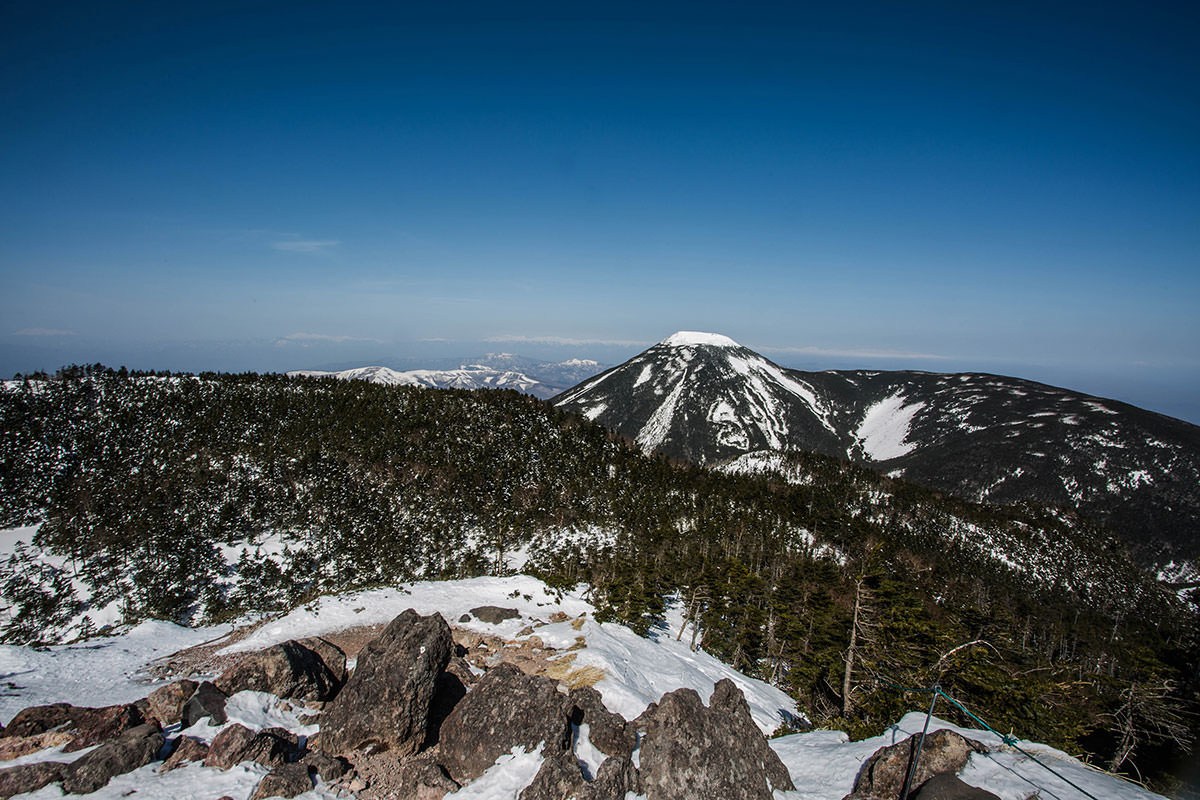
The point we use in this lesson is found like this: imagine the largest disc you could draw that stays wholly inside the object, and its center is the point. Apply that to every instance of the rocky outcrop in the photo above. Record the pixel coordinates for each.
(134, 748)
(691, 751)
(616, 778)
(385, 704)
(505, 709)
(559, 777)
(286, 780)
(948, 786)
(167, 702)
(208, 701)
(287, 670)
(882, 775)
(29, 777)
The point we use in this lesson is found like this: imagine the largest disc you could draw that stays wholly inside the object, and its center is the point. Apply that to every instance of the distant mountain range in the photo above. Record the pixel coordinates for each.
(704, 398)
(541, 379)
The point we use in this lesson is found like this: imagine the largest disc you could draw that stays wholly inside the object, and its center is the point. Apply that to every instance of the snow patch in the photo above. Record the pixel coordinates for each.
(884, 428)
(698, 338)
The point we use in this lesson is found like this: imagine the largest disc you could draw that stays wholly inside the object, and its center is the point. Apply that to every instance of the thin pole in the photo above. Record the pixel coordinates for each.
(912, 769)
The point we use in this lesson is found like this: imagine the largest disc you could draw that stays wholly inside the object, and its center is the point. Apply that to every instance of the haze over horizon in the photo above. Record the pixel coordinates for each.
(276, 186)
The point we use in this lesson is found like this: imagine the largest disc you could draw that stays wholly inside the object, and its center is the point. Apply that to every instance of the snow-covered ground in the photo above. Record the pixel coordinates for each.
(636, 670)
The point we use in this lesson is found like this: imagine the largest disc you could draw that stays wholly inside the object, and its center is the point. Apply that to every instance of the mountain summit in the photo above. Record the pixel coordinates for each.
(705, 398)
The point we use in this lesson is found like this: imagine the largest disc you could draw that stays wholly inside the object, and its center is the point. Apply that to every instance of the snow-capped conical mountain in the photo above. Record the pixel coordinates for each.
(703, 397)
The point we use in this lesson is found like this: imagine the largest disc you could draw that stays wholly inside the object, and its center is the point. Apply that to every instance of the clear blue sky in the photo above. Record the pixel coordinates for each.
(945, 186)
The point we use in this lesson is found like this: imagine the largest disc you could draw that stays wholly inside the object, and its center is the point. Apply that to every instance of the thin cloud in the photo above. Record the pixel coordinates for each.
(849, 353)
(305, 245)
(43, 332)
(302, 338)
(566, 340)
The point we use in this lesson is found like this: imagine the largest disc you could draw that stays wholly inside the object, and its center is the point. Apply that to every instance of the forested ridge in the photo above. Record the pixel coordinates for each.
(141, 482)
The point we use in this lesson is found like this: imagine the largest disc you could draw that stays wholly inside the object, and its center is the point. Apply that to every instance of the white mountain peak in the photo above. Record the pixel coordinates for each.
(693, 338)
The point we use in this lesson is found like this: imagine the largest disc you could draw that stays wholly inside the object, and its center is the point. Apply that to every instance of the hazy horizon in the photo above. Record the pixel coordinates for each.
(1011, 189)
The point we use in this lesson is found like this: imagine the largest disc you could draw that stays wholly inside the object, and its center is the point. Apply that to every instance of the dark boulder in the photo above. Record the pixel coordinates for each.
(286, 670)
(135, 748)
(505, 709)
(386, 702)
(208, 701)
(186, 749)
(558, 778)
(608, 732)
(421, 779)
(285, 780)
(948, 786)
(167, 702)
(237, 743)
(333, 656)
(29, 777)
(447, 693)
(882, 775)
(691, 751)
(494, 614)
(616, 778)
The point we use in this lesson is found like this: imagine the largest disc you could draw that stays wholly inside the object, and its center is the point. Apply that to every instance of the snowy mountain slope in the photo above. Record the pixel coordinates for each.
(823, 764)
(493, 371)
(982, 437)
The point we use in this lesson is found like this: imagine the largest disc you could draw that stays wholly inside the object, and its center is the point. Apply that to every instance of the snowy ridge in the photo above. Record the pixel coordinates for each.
(823, 764)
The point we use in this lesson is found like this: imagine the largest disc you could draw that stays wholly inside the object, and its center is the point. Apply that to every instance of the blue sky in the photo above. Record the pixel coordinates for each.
(1012, 189)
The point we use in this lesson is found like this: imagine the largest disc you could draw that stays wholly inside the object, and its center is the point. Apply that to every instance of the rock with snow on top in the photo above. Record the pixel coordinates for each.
(505, 709)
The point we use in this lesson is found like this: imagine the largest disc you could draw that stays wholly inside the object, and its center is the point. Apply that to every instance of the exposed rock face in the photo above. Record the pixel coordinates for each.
(505, 709)
(186, 749)
(385, 703)
(286, 670)
(38, 719)
(692, 751)
(882, 775)
(558, 778)
(134, 748)
(494, 614)
(950, 787)
(86, 726)
(96, 725)
(330, 768)
(29, 777)
(421, 779)
(286, 780)
(237, 743)
(208, 701)
(608, 732)
(167, 702)
(17, 746)
(333, 656)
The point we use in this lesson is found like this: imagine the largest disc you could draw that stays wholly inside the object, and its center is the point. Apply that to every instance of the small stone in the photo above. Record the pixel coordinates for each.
(494, 615)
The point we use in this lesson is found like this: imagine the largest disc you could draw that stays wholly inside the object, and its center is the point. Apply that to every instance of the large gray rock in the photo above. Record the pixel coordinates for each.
(134, 748)
(290, 669)
(505, 709)
(87, 726)
(691, 751)
(386, 702)
(557, 779)
(29, 777)
(494, 614)
(882, 775)
(948, 786)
